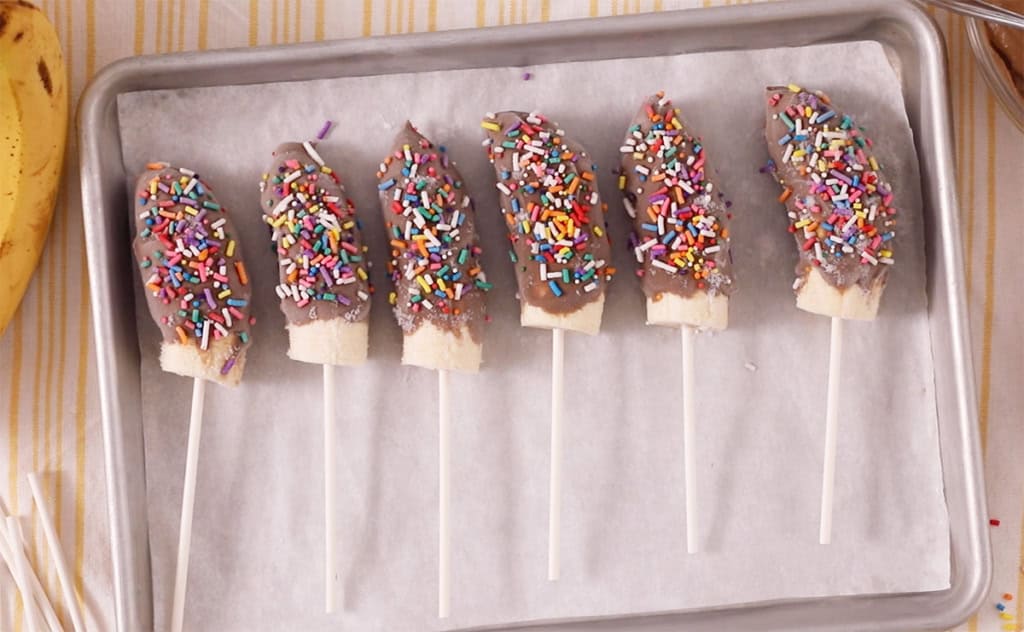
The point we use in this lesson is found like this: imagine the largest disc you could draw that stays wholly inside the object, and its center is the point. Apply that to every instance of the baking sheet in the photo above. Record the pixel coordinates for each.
(256, 561)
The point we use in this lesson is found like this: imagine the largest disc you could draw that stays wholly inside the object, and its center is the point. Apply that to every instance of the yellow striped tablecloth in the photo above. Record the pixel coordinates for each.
(49, 413)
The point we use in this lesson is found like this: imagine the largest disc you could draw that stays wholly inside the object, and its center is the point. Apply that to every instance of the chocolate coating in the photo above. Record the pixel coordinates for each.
(431, 224)
(322, 260)
(553, 211)
(189, 260)
(680, 220)
(839, 205)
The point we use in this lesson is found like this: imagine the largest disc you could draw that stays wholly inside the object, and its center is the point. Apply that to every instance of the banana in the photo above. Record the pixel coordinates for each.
(33, 132)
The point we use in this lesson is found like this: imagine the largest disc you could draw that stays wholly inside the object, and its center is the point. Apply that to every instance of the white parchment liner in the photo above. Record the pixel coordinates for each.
(257, 543)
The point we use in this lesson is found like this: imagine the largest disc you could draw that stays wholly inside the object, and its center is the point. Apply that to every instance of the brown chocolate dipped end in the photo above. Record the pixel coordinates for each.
(431, 225)
(839, 205)
(680, 219)
(323, 266)
(190, 262)
(553, 210)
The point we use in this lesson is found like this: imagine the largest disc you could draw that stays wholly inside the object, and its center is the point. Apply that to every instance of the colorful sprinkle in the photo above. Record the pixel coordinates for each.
(187, 259)
(549, 199)
(836, 197)
(435, 260)
(679, 227)
(1005, 614)
(316, 234)
(324, 130)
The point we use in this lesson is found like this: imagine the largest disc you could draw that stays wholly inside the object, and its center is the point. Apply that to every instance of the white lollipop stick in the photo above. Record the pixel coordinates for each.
(329, 488)
(21, 584)
(831, 429)
(57, 553)
(39, 600)
(188, 497)
(444, 573)
(32, 595)
(689, 447)
(555, 491)
(4, 606)
(35, 587)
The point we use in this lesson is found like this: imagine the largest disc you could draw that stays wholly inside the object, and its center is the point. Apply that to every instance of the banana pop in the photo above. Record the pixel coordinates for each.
(196, 283)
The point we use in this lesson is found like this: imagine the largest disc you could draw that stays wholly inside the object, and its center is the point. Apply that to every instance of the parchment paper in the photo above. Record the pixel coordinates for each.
(257, 543)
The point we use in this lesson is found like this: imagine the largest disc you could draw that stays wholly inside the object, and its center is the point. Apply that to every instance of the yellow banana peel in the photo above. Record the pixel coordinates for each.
(33, 132)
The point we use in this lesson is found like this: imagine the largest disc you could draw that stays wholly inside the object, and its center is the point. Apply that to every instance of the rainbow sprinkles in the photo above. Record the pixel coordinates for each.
(191, 266)
(439, 284)
(554, 215)
(679, 216)
(316, 234)
(434, 255)
(839, 204)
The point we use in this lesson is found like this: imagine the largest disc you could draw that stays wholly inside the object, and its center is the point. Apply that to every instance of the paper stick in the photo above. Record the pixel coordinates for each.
(330, 559)
(444, 572)
(57, 553)
(21, 583)
(555, 491)
(39, 600)
(188, 497)
(34, 598)
(831, 428)
(5, 606)
(689, 440)
(24, 575)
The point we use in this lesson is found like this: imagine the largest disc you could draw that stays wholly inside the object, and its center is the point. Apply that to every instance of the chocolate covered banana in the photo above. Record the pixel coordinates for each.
(680, 220)
(839, 204)
(439, 285)
(323, 279)
(555, 220)
(191, 266)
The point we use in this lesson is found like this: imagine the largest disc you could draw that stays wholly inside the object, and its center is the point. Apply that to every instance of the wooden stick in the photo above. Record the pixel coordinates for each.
(188, 497)
(689, 439)
(57, 553)
(831, 429)
(555, 491)
(444, 540)
(330, 480)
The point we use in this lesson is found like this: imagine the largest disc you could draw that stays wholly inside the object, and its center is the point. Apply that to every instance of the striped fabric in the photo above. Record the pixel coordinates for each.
(49, 413)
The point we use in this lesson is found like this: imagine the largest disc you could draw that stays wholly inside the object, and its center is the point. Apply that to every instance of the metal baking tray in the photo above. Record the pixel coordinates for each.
(913, 44)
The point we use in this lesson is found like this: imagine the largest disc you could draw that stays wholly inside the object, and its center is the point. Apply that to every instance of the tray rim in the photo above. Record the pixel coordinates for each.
(130, 556)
